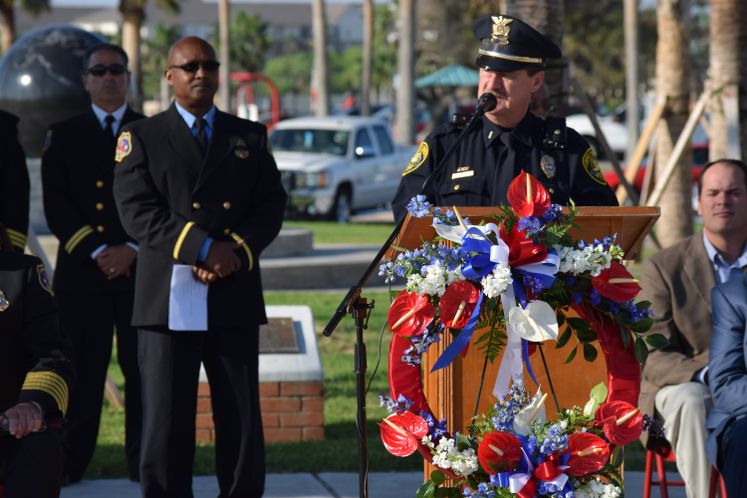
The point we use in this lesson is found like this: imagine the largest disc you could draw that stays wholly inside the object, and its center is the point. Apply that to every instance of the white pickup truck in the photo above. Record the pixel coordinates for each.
(333, 166)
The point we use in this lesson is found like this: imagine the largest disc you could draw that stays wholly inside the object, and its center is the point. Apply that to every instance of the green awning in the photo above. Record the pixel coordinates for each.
(453, 75)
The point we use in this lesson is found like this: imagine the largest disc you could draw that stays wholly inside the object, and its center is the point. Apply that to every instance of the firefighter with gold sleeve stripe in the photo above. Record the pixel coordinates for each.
(14, 182)
(35, 377)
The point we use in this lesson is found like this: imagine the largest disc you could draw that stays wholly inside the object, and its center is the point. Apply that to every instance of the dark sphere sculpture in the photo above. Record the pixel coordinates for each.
(40, 80)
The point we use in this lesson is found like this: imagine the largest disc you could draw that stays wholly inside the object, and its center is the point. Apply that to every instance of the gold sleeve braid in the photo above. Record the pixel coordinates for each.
(244, 246)
(180, 239)
(73, 241)
(50, 383)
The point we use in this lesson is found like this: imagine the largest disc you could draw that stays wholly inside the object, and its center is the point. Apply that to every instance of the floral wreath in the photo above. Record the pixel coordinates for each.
(514, 277)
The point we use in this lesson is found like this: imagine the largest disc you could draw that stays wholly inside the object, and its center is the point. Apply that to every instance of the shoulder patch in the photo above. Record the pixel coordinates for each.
(41, 272)
(124, 146)
(418, 159)
(591, 165)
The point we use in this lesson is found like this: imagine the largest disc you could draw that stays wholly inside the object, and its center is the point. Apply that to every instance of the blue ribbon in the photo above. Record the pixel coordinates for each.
(500, 479)
(479, 265)
(460, 341)
(527, 364)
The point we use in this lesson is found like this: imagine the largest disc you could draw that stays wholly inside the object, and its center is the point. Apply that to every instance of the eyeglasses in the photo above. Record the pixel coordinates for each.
(194, 66)
(100, 70)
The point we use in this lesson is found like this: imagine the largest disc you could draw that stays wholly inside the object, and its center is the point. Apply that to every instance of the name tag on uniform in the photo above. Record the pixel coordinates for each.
(462, 172)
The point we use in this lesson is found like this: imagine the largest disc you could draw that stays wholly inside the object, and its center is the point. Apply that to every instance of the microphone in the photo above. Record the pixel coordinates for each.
(485, 103)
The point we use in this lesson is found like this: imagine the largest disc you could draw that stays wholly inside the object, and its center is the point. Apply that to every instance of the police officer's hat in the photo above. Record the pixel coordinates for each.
(510, 44)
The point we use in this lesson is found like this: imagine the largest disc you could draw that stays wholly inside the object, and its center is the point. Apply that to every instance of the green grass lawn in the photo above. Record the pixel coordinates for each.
(330, 232)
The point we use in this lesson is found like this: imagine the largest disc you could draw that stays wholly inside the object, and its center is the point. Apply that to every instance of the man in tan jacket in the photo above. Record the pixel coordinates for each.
(678, 282)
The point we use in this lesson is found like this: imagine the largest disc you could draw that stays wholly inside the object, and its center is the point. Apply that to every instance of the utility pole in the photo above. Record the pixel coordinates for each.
(224, 28)
(632, 100)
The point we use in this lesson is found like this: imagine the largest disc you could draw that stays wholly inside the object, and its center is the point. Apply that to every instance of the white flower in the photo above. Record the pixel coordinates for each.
(494, 283)
(446, 456)
(596, 489)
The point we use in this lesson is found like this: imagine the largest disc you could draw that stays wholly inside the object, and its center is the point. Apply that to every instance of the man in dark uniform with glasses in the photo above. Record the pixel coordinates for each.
(95, 276)
(199, 190)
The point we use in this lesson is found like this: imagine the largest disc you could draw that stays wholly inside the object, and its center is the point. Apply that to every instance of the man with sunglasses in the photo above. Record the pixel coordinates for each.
(200, 192)
(95, 276)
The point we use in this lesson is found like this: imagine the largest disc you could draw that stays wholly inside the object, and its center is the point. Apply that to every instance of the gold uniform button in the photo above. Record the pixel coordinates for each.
(226, 205)
(99, 228)
(227, 231)
(551, 190)
(457, 187)
(99, 206)
(195, 205)
(99, 184)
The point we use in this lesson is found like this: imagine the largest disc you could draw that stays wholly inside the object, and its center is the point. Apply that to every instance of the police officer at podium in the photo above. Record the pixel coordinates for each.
(507, 139)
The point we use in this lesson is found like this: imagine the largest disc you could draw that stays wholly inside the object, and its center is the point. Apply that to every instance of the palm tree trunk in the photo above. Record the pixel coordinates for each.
(366, 69)
(672, 77)
(726, 21)
(320, 76)
(224, 28)
(405, 129)
(133, 15)
(546, 16)
(8, 24)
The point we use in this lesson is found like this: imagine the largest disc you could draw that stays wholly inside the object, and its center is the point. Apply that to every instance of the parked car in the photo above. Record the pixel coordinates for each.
(615, 132)
(336, 165)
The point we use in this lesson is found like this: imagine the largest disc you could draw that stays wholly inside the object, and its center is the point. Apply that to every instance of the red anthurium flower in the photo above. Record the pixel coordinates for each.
(401, 432)
(499, 452)
(527, 196)
(616, 283)
(521, 250)
(589, 453)
(621, 422)
(410, 314)
(458, 303)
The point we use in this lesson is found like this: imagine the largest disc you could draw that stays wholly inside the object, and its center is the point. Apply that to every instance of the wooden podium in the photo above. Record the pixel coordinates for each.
(452, 391)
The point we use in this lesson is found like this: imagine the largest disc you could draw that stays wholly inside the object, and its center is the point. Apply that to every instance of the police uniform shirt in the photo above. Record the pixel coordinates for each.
(480, 170)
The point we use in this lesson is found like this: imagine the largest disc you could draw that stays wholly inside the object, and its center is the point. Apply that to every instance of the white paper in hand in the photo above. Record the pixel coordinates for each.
(187, 300)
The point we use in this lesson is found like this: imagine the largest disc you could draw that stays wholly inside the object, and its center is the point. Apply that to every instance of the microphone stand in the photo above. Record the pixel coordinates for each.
(358, 306)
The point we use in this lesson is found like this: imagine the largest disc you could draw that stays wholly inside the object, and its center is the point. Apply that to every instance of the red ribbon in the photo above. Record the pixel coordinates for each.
(623, 369)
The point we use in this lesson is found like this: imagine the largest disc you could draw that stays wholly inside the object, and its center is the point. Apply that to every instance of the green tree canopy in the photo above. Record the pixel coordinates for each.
(249, 42)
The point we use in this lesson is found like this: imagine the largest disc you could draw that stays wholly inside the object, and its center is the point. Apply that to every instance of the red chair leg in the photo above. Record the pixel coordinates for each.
(647, 475)
(712, 483)
(662, 473)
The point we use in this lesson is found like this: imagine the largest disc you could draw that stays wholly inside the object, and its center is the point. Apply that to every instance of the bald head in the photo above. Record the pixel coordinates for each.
(193, 74)
(187, 43)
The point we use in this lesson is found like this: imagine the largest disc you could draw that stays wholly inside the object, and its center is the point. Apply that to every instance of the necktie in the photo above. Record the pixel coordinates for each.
(201, 136)
(109, 127)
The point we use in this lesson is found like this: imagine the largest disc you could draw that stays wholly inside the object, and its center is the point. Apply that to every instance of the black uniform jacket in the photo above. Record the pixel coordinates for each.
(14, 182)
(77, 175)
(171, 199)
(483, 165)
(34, 364)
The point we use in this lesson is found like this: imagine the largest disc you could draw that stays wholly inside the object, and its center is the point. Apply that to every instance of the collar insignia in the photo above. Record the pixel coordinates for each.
(500, 29)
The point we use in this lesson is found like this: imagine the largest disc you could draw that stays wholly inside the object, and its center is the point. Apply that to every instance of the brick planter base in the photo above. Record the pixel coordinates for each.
(291, 411)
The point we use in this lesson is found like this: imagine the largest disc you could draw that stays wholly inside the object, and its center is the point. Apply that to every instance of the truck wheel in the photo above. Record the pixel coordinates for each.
(343, 206)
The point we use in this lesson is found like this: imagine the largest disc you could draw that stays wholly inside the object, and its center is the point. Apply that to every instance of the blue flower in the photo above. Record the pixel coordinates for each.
(531, 224)
(594, 297)
(419, 206)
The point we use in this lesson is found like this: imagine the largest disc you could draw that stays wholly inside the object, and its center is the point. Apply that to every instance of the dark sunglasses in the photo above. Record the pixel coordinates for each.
(101, 70)
(194, 66)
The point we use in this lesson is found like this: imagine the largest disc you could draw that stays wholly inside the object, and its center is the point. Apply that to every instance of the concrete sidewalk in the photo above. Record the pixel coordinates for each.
(324, 485)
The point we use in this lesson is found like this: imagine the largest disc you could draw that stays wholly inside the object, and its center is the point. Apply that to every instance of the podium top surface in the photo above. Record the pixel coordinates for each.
(630, 223)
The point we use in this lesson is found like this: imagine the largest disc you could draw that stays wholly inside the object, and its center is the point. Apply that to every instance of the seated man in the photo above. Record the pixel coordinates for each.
(678, 282)
(727, 421)
(35, 376)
